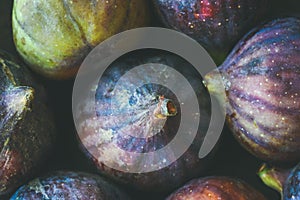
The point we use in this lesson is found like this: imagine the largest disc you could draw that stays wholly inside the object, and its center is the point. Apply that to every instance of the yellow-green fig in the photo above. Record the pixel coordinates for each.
(54, 36)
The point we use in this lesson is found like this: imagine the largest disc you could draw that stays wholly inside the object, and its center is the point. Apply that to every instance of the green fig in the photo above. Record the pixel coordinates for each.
(54, 36)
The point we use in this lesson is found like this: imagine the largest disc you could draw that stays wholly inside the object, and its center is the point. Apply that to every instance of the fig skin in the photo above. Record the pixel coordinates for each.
(69, 185)
(262, 82)
(215, 188)
(285, 181)
(27, 131)
(215, 24)
(117, 119)
(54, 36)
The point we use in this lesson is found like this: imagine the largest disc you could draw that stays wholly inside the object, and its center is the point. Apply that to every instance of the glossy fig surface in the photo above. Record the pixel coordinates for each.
(217, 25)
(285, 181)
(138, 114)
(292, 187)
(54, 36)
(26, 126)
(215, 188)
(69, 185)
(262, 81)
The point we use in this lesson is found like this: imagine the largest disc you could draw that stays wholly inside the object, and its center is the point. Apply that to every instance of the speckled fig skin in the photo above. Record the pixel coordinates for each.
(215, 188)
(54, 36)
(69, 185)
(285, 181)
(262, 81)
(26, 125)
(215, 24)
(118, 118)
(292, 185)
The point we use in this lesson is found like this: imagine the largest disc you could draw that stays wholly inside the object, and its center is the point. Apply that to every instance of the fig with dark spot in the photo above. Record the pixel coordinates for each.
(215, 188)
(69, 186)
(285, 181)
(262, 82)
(217, 25)
(138, 117)
(54, 36)
(26, 126)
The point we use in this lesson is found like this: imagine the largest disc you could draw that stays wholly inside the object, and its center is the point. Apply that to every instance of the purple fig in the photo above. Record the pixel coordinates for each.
(215, 188)
(262, 82)
(69, 186)
(130, 123)
(26, 126)
(285, 181)
(217, 25)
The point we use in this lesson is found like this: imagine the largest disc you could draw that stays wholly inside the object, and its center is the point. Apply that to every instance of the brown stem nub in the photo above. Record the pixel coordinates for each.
(165, 108)
(217, 85)
(272, 177)
(18, 99)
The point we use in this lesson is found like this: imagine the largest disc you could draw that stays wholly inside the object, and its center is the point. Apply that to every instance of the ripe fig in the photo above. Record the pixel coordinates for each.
(69, 186)
(287, 182)
(26, 126)
(136, 119)
(215, 188)
(215, 24)
(262, 82)
(54, 36)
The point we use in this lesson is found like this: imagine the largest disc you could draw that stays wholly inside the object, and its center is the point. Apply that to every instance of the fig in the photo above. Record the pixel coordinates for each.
(69, 185)
(214, 188)
(27, 129)
(261, 77)
(285, 181)
(54, 36)
(128, 132)
(215, 24)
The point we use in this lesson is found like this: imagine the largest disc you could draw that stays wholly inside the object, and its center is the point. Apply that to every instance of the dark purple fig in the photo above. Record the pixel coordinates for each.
(215, 188)
(215, 24)
(69, 186)
(262, 81)
(26, 126)
(130, 123)
(287, 182)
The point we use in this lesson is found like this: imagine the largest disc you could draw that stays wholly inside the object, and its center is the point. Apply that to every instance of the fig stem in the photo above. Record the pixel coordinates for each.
(215, 83)
(165, 108)
(273, 177)
(19, 98)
